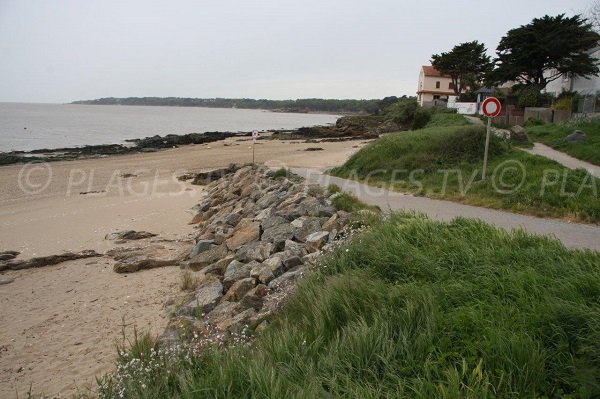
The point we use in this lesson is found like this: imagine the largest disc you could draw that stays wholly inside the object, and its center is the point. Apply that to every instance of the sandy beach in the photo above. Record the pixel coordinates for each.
(60, 324)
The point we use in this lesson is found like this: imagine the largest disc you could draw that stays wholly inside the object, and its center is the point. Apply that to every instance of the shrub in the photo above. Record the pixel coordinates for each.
(534, 122)
(282, 172)
(402, 112)
(420, 119)
(333, 188)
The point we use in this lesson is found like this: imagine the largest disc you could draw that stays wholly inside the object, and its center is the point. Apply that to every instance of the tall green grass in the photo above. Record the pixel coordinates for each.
(554, 135)
(446, 163)
(418, 309)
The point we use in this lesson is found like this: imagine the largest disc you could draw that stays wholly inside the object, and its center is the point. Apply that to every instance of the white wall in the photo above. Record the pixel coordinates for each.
(464, 108)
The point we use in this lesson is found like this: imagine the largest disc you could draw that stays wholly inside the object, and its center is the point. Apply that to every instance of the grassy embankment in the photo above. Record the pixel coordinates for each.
(445, 161)
(411, 308)
(554, 135)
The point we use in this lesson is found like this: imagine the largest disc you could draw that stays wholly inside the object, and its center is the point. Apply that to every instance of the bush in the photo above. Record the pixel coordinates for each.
(532, 97)
(283, 172)
(534, 122)
(333, 188)
(402, 112)
(421, 118)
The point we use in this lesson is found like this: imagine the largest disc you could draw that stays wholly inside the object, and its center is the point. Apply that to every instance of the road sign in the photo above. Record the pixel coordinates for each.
(254, 137)
(491, 107)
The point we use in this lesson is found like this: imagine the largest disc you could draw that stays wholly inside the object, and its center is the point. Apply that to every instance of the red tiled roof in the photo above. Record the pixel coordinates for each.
(428, 70)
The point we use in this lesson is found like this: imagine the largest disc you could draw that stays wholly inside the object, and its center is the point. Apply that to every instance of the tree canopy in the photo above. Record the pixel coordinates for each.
(546, 49)
(467, 64)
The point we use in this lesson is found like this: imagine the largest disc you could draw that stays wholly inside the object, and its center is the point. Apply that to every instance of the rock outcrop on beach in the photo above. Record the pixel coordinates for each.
(11, 264)
(257, 235)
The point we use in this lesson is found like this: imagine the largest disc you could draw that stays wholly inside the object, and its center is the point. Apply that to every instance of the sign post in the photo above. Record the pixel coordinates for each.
(491, 108)
(254, 137)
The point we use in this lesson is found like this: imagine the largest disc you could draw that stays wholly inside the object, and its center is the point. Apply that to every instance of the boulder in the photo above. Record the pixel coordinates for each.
(208, 257)
(304, 226)
(576, 136)
(267, 201)
(292, 248)
(310, 206)
(278, 235)
(267, 270)
(235, 271)
(243, 235)
(254, 298)
(223, 311)
(272, 221)
(517, 133)
(201, 246)
(232, 219)
(292, 262)
(254, 251)
(332, 223)
(205, 299)
(316, 241)
(286, 279)
(237, 291)
(237, 323)
(264, 214)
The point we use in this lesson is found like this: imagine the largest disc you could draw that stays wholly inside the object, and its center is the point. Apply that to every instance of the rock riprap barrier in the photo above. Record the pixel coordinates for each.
(257, 234)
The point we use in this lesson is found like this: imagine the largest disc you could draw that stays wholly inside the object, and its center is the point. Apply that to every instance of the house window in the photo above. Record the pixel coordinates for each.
(450, 86)
(437, 85)
(436, 97)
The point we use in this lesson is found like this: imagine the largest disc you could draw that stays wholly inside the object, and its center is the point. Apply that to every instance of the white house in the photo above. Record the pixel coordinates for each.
(584, 86)
(433, 86)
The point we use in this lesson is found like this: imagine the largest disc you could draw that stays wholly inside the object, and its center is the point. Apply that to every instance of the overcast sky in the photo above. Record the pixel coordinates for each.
(60, 51)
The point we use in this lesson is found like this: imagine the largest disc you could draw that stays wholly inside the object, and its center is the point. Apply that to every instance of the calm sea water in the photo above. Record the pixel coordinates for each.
(35, 126)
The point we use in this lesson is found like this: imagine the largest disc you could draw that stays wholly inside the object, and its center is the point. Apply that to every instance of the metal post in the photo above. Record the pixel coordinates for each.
(487, 145)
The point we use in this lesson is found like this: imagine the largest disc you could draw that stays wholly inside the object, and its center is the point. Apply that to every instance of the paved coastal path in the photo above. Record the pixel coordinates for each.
(562, 158)
(573, 235)
(550, 153)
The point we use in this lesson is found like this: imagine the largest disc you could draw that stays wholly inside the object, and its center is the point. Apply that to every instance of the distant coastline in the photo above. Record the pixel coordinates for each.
(307, 105)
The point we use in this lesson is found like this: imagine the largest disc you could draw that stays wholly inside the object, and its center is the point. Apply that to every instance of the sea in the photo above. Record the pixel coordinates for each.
(28, 127)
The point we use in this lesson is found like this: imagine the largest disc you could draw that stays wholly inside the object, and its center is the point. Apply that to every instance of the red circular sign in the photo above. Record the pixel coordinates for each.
(491, 107)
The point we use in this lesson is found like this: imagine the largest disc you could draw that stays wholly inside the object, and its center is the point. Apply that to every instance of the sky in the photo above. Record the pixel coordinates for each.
(60, 51)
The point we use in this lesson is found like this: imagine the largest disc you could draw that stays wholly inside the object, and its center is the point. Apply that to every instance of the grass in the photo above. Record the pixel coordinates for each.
(440, 119)
(446, 163)
(188, 281)
(348, 202)
(554, 135)
(281, 172)
(410, 309)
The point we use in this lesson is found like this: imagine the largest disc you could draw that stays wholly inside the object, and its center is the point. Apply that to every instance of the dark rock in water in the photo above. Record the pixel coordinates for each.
(576, 136)
(313, 149)
(46, 260)
(171, 140)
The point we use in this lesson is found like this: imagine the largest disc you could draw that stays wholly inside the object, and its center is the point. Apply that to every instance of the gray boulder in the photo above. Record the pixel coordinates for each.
(316, 241)
(254, 251)
(278, 235)
(576, 136)
(201, 246)
(205, 299)
(208, 257)
(268, 270)
(235, 271)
